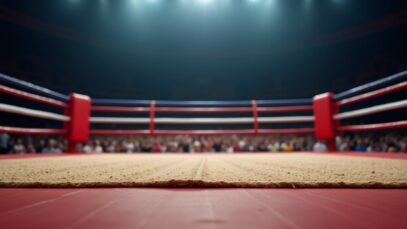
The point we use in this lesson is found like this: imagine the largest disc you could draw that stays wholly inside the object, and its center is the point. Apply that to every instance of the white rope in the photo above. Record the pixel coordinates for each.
(119, 120)
(203, 120)
(371, 110)
(33, 113)
(286, 119)
(242, 120)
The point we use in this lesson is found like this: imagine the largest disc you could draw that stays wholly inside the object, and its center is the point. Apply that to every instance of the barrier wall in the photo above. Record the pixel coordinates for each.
(326, 112)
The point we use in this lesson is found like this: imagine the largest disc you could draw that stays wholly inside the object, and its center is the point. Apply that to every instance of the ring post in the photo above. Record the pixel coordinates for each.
(152, 116)
(324, 124)
(78, 126)
(255, 117)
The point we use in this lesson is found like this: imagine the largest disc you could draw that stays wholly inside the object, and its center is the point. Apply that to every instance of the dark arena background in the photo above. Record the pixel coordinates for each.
(203, 114)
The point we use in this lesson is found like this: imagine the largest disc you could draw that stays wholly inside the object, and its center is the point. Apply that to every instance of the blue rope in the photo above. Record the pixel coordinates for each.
(372, 85)
(123, 102)
(282, 102)
(243, 103)
(33, 88)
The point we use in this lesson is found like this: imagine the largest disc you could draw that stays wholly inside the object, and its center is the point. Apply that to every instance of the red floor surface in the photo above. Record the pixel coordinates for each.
(377, 155)
(203, 208)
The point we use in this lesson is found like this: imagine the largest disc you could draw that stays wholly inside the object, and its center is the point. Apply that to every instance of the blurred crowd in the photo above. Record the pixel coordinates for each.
(391, 142)
(198, 144)
(386, 142)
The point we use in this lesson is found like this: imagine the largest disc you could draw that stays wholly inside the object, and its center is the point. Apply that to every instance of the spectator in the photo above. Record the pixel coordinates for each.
(111, 147)
(87, 148)
(4, 143)
(360, 146)
(52, 147)
(286, 146)
(30, 148)
(40, 146)
(389, 141)
(319, 147)
(129, 147)
(18, 147)
(96, 147)
(217, 145)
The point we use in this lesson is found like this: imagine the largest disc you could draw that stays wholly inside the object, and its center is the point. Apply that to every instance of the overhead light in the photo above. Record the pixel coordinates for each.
(205, 2)
(253, 1)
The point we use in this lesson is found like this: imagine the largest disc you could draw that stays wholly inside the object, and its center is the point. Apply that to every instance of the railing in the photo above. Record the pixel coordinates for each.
(324, 112)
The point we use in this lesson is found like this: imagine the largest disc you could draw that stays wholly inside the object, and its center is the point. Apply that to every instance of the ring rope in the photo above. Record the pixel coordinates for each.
(112, 120)
(396, 78)
(200, 109)
(376, 126)
(20, 130)
(37, 98)
(33, 113)
(170, 103)
(33, 88)
(371, 110)
(201, 120)
(286, 119)
(373, 94)
(203, 132)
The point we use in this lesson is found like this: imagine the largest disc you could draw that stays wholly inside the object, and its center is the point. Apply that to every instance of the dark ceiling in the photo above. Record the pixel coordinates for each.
(202, 49)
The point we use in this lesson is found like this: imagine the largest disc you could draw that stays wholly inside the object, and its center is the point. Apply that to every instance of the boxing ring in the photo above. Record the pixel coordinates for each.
(321, 115)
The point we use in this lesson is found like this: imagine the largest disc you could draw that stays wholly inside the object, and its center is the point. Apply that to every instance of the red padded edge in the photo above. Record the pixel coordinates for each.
(384, 155)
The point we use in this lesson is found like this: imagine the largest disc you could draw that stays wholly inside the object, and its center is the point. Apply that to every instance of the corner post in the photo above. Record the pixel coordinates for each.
(78, 126)
(324, 124)
(152, 116)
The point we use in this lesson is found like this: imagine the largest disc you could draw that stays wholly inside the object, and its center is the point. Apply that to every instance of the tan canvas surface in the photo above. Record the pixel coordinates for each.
(208, 170)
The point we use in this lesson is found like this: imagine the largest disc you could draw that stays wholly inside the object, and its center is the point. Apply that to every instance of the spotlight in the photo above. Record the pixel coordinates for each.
(253, 1)
(205, 2)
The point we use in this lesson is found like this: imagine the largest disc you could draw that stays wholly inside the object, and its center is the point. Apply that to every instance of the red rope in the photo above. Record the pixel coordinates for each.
(287, 131)
(33, 97)
(119, 132)
(372, 94)
(21, 130)
(377, 126)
